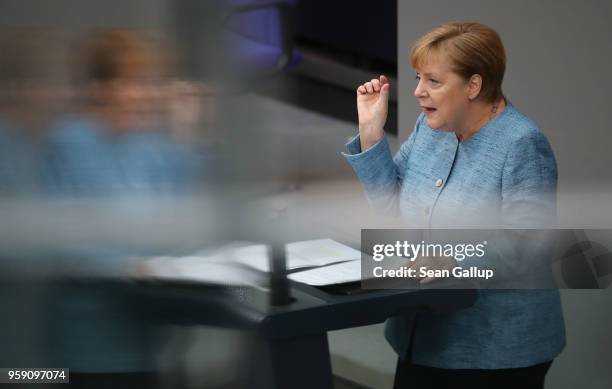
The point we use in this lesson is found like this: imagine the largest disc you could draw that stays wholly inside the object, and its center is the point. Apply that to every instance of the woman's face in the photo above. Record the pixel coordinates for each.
(442, 94)
(134, 101)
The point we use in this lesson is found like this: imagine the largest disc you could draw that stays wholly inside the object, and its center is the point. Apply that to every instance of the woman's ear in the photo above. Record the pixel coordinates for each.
(474, 86)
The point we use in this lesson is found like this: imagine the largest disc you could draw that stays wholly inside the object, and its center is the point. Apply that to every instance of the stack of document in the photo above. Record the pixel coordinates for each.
(339, 273)
(315, 262)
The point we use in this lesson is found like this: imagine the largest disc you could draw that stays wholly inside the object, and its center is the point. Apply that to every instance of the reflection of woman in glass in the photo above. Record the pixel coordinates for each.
(473, 159)
(119, 143)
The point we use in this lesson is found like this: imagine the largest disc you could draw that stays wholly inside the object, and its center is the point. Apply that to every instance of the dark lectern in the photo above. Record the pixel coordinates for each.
(290, 347)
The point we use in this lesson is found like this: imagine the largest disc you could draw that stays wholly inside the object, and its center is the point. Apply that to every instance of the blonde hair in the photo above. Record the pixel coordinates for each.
(108, 54)
(473, 48)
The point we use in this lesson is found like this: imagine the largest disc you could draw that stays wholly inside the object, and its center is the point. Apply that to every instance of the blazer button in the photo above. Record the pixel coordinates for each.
(439, 182)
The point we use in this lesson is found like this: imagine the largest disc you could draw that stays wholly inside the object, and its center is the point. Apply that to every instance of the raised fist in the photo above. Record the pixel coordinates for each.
(372, 107)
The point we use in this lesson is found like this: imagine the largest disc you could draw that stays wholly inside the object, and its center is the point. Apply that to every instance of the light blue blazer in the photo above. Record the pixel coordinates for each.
(505, 175)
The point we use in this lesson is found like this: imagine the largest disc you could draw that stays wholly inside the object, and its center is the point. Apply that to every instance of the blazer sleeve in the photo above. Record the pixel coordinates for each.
(529, 183)
(381, 174)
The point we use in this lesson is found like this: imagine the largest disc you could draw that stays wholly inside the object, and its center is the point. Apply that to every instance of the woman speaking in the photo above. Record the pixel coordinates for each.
(472, 159)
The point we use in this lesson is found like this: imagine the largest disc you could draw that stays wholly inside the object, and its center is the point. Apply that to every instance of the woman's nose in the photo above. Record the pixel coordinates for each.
(419, 91)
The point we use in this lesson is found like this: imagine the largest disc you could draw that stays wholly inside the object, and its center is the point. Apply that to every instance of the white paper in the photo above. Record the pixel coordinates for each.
(200, 269)
(235, 264)
(311, 253)
(329, 275)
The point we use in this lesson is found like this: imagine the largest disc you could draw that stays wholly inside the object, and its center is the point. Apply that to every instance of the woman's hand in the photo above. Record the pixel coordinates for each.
(372, 107)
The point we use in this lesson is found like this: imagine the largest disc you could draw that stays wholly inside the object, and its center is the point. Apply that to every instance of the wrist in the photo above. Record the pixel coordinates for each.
(369, 139)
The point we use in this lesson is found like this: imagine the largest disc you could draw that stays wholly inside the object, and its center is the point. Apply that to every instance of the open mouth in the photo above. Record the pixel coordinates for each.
(428, 109)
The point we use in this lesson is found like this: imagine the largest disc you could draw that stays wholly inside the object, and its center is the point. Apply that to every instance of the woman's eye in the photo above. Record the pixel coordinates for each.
(433, 81)
(417, 77)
